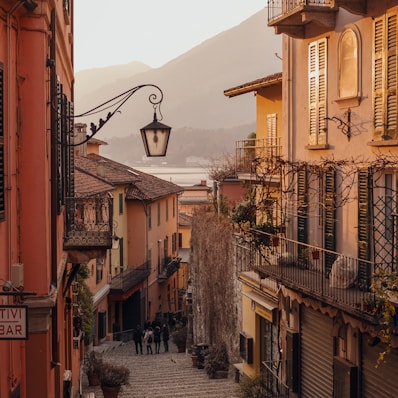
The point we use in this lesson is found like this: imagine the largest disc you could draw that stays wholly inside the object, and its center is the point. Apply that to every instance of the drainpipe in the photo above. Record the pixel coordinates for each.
(8, 194)
(53, 189)
(10, 153)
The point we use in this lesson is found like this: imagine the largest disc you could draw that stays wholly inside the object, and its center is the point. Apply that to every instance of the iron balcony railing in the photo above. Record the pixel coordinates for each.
(254, 153)
(279, 8)
(128, 279)
(168, 269)
(272, 386)
(88, 223)
(333, 278)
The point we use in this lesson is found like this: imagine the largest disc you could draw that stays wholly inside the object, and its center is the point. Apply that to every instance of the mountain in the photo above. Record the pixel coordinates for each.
(193, 84)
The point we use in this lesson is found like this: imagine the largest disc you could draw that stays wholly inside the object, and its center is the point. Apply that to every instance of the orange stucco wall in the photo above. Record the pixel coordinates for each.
(25, 233)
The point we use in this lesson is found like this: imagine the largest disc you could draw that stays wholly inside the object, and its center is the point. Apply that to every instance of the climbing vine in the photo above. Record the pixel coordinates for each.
(212, 273)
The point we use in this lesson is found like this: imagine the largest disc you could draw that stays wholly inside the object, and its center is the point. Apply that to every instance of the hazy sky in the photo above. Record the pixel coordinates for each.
(151, 31)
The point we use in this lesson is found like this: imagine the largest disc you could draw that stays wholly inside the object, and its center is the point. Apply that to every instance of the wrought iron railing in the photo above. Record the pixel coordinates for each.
(331, 277)
(129, 278)
(88, 222)
(252, 153)
(169, 269)
(278, 8)
(271, 383)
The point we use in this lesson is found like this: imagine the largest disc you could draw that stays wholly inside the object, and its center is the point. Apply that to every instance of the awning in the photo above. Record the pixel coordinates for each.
(263, 306)
(103, 292)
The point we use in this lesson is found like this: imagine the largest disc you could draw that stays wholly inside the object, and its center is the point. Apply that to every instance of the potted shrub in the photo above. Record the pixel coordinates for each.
(92, 367)
(217, 362)
(179, 338)
(112, 377)
(264, 239)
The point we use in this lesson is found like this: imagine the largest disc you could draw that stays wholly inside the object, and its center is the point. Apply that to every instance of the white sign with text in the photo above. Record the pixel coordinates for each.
(13, 322)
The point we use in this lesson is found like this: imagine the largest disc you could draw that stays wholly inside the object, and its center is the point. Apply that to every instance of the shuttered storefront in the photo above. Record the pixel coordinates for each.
(316, 354)
(383, 380)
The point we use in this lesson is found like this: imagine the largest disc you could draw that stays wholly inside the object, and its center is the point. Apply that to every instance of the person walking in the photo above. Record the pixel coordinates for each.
(148, 338)
(156, 339)
(165, 337)
(137, 337)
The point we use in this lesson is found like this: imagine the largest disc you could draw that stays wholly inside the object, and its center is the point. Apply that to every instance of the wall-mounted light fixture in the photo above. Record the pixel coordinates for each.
(155, 135)
(344, 126)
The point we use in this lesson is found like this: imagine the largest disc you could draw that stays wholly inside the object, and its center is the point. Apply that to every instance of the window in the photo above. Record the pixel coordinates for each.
(385, 78)
(174, 207)
(158, 213)
(120, 203)
(150, 259)
(272, 143)
(149, 214)
(317, 91)
(174, 242)
(167, 210)
(65, 152)
(121, 254)
(99, 267)
(2, 187)
(166, 249)
(348, 65)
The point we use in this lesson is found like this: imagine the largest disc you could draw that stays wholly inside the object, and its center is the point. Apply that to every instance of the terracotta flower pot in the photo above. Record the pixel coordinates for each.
(275, 241)
(315, 254)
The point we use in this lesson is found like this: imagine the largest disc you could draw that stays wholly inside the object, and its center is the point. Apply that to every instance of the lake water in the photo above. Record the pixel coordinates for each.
(184, 177)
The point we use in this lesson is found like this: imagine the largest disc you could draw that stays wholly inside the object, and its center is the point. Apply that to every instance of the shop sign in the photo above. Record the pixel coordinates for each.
(13, 322)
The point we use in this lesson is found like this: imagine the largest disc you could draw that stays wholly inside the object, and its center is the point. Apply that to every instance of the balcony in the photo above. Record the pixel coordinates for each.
(257, 156)
(293, 17)
(125, 284)
(330, 277)
(170, 266)
(88, 223)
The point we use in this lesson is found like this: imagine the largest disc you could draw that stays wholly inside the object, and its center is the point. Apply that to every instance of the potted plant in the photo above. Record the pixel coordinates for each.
(264, 239)
(112, 377)
(92, 367)
(179, 338)
(217, 362)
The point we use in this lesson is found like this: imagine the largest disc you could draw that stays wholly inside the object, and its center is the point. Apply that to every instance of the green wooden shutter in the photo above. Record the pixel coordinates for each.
(363, 228)
(60, 141)
(302, 206)
(70, 153)
(330, 218)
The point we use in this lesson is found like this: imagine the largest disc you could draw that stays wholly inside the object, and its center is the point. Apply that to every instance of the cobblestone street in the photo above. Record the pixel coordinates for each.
(163, 375)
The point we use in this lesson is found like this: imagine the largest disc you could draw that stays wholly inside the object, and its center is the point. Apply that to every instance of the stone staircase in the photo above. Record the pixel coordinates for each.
(165, 375)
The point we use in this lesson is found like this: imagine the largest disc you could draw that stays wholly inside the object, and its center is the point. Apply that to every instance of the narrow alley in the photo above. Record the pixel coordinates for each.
(163, 375)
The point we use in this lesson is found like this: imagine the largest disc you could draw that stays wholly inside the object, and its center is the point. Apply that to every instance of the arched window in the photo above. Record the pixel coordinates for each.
(348, 65)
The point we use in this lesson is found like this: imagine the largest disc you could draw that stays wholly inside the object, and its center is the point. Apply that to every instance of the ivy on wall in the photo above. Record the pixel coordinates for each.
(212, 273)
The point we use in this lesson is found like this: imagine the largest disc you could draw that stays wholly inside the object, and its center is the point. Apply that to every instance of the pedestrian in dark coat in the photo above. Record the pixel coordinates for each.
(156, 339)
(137, 337)
(165, 337)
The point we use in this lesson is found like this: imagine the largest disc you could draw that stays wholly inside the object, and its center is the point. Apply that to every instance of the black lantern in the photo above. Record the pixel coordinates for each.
(155, 137)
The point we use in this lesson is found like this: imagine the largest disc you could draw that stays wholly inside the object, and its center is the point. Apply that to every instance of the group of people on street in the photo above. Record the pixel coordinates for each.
(151, 334)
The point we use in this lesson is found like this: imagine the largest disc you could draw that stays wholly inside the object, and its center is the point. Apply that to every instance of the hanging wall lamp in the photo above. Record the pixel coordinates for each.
(155, 135)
